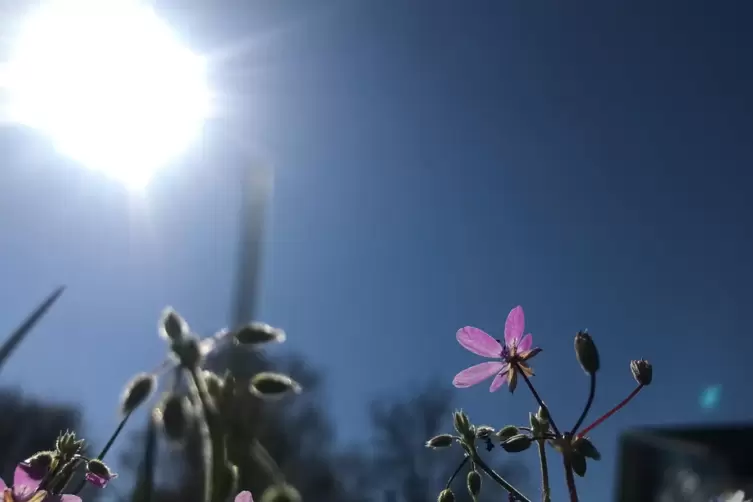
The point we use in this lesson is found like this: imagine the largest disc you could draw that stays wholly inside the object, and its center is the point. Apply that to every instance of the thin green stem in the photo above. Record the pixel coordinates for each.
(537, 397)
(514, 492)
(457, 471)
(545, 491)
(106, 449)
(589, 402)
(610, 412)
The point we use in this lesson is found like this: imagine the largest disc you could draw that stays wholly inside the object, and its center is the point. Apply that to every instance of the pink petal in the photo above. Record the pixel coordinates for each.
(22, 477)
(69, 498)
(3, 486)
(514, 326)
(525, 344)
(478, 373)
(244, 496)
(500, 379)
(478, 342)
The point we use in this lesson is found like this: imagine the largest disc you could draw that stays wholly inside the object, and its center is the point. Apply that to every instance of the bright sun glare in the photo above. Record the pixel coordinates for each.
(110, 85)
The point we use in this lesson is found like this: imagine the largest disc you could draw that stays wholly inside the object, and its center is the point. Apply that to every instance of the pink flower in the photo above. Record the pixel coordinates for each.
(25, 488)
(244, 496)
(511, 356)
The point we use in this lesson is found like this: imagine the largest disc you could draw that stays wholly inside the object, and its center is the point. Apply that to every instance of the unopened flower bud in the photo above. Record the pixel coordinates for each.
(441, 441)
(67, 445)
(175, 413)
(473, 481)
(543, 415)
(172, 326)
(463, 424)
(446, 495)
(270, 385)
(642, 371)
(281, 493)
(188, 352)
(40, 464)
(214, 385)
(258, 333)
(516, 444)
(138, 390)
(507, 432)
(585, 447)
(98, 474)
(484, 431)
(586, 352)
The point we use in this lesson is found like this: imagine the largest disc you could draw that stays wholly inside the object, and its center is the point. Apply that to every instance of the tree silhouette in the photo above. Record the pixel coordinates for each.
(295, 433)
(28, 426)
(406, 470)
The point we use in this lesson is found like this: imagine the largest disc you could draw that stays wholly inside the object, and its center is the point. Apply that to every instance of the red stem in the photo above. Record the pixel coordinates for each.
(610, 412)
(570, 482)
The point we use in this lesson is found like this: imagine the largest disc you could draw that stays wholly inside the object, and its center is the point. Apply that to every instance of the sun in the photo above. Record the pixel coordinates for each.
(109, 83)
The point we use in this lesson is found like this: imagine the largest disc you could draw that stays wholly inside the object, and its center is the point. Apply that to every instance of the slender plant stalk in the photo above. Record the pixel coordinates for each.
(610, 412)
(571, 489)
(106, 449)
(537, 397)
(25, 328)
(589, 402)
(514, 492)
(457, 471)
(545, 491)
(213, 437)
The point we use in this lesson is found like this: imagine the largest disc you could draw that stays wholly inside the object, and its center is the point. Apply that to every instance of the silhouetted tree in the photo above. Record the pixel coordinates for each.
(295, 432)
(406, 470)
(28, 426)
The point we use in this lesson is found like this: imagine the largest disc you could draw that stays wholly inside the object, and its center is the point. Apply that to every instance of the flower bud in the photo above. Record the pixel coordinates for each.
(172, 326)
(516, 444)
(441, 441)
(67, 445)
(543, 415)
(270, 385)
(40, 464)
(446, 495)
(138, 390)
(281, 493)
(98, 474)
(214, 385)
(642, 371)
(586, 352)
(188, 352)
(507, 432)
(473, 481)
(484, 432)
(585, 447)
(463, 425)
(258, 333)
(176, 416)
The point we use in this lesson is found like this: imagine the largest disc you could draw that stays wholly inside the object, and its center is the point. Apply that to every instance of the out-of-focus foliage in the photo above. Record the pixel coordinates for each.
(30, 425)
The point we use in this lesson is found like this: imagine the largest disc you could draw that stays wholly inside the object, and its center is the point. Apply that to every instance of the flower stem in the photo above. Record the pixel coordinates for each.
(572, 490)
(457, 471)
(610, 412)
(499, 479)
(537, 397)
(589, 402)
(545, 492)
(106, 449)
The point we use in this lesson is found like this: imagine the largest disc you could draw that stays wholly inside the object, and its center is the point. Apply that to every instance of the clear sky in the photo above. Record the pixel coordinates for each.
(438, 163)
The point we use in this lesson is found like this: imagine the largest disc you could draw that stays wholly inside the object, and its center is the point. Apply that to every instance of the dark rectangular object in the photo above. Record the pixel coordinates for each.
(684, 464)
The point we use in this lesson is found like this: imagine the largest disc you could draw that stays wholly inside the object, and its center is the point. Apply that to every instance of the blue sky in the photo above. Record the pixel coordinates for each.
(435, 167)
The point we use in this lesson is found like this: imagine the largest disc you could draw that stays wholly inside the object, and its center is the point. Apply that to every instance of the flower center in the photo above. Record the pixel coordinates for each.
(508, 353)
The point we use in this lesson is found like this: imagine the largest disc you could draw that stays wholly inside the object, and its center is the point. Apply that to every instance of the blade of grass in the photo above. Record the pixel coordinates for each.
(25, 328)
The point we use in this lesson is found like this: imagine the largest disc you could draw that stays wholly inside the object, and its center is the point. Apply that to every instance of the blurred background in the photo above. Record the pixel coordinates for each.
(435, 164)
